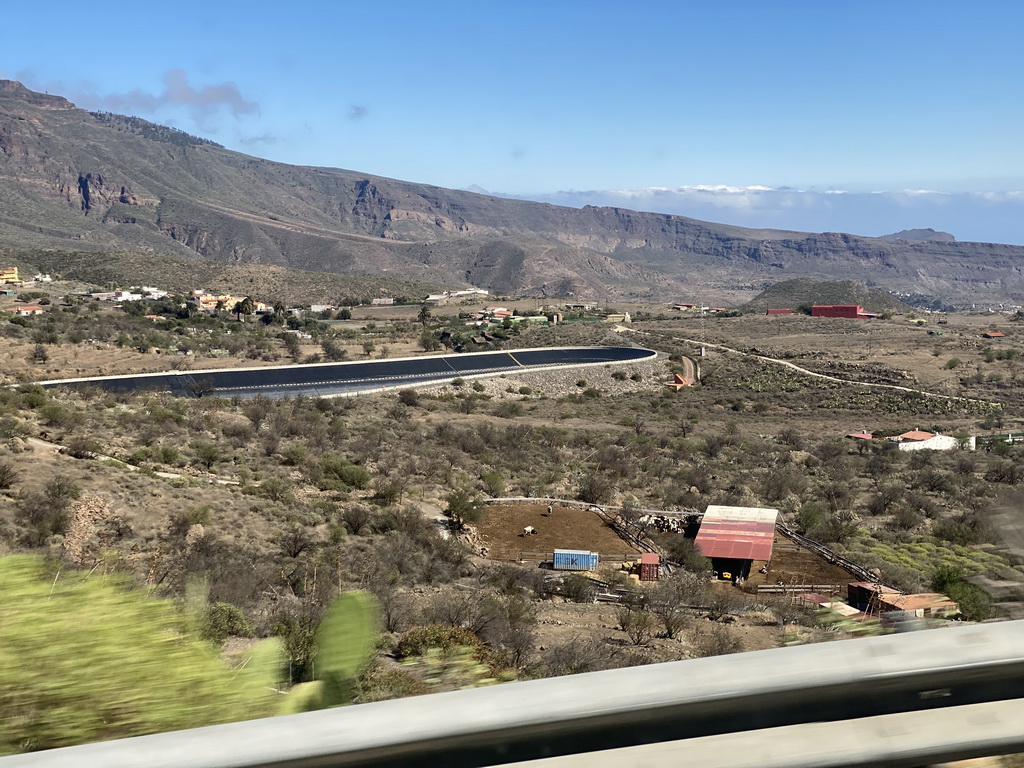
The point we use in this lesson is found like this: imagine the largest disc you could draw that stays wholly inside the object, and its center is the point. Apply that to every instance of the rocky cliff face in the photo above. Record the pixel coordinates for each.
(74, 179)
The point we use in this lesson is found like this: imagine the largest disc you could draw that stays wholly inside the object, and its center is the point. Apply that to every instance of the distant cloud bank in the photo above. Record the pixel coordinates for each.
(979, 216)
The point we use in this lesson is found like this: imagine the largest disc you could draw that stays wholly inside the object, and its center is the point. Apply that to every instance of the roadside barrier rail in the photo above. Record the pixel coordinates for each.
(943, 675)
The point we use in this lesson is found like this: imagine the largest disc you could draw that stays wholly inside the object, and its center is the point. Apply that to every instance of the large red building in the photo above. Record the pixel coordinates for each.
(734, 537)
(837, 310)
(851, 311)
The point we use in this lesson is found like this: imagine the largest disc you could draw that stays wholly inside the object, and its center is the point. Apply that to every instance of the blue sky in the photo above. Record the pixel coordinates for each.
(586, 101)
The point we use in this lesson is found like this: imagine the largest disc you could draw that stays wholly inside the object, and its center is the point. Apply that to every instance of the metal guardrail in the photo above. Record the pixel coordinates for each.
(952, 675)
(906, 740)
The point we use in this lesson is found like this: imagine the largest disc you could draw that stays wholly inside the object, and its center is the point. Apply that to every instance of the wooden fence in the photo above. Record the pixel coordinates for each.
(787, 589)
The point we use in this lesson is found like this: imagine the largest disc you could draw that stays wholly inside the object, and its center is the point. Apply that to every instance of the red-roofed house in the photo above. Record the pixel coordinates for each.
(915, 435)
(27, 309)
(862, 435)
(916, 440)
(733, 537)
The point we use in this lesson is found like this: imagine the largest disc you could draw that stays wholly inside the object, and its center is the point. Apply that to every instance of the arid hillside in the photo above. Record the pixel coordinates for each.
(71, 180)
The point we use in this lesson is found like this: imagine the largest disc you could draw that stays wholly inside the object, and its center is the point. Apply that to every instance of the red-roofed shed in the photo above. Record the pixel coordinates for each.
(862, 435)
(733, 537)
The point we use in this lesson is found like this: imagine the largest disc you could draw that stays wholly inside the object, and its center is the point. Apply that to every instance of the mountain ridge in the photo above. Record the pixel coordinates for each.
(71, 179)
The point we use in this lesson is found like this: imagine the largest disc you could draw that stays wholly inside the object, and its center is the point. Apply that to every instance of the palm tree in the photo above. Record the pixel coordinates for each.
(243, 307)
(424, 316)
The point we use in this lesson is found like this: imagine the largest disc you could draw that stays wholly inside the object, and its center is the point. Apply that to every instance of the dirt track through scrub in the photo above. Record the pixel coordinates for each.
(826, 377)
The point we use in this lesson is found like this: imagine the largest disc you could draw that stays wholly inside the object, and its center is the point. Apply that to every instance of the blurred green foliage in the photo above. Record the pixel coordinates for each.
(84, 657)
(346, 640)
(345, 643)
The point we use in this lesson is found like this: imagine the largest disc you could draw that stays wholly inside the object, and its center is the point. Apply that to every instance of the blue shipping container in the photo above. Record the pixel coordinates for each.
(574, 560)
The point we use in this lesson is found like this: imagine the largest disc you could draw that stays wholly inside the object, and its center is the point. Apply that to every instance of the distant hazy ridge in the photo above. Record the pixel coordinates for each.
(74, 180)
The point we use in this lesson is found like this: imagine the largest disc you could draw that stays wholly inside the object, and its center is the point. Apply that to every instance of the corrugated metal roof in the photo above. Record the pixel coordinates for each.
(873, 586)
(649, 557)
(924, 600)
(741, 533)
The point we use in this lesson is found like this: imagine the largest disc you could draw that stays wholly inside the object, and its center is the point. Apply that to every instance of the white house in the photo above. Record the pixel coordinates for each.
(916, 440)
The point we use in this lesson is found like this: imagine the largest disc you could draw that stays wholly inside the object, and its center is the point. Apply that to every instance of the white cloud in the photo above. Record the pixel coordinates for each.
(202, 102)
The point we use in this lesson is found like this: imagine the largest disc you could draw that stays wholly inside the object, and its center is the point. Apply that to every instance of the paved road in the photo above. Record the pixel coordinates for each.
(333, 379)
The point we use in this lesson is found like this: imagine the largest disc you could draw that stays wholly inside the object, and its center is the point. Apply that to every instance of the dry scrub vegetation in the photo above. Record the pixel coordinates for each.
(277, 505)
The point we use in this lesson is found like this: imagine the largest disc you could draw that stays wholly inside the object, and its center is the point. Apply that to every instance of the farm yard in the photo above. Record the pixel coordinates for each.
(501, 531)
(793, 565)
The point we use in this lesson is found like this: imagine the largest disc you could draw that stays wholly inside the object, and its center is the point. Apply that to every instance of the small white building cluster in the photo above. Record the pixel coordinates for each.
(440, 299)
(919, 440)
(121, 296)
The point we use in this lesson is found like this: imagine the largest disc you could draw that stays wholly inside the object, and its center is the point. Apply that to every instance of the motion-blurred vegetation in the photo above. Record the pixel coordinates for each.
(84, 657)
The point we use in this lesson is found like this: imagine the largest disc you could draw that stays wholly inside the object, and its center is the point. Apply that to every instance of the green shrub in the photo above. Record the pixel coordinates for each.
(493, 483)
(8, 475)
(82, 447)
(169, 455)
(409, 397)
(683, 551)
(224, 620)
(442, 637)
(336, 473)
(577, 588)
(84, 658)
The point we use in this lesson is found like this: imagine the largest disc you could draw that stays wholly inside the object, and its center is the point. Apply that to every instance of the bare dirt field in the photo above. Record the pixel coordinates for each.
(501, 531)
(792, 564)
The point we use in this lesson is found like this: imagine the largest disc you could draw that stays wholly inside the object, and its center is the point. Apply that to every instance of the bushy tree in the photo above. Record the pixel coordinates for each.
(463, 509)
(683, 551)
(637, 621)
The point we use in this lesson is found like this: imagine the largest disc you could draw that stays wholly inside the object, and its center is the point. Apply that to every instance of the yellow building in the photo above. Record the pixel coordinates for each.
(9, 275)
